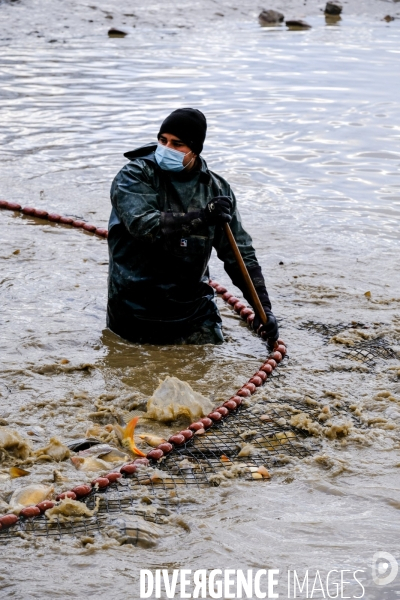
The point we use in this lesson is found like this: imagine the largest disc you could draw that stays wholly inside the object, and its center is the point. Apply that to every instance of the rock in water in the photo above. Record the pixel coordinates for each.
(113, 32)
(270, 17)
(298, 24)
(333, 8)
(135, 531)
(174, 399)
(12, 443)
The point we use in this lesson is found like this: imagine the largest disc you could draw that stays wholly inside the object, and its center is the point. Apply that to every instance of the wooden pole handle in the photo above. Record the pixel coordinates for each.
(243, 269)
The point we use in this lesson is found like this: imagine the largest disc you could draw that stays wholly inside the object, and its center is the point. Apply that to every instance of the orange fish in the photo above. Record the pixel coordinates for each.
(127, 436)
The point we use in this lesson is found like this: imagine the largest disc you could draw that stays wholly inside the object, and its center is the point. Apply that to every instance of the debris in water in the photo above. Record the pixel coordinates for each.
(70, 509)
(353, 336)
(266, 418)
(304, 422)
(55, 450)
(58, 477)
(17, 472)
(264, 472)
(152, 440)
(105, 433)
(259, 472)
(174, 399)
(247, 450)
(334, 431)
(4, 506)
(338, 430)
(248, 434)
(13, 443)
(276, 440)
(35, 431)
(325, 414)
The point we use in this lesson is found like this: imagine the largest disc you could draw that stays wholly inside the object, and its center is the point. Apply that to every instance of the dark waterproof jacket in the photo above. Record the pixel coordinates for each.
(158, 279)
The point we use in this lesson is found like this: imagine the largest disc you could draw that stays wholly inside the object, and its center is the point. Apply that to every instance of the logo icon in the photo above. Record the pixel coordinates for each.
(384, 568)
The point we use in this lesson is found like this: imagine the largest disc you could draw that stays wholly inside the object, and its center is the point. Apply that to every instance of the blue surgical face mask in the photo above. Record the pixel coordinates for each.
(170, 160)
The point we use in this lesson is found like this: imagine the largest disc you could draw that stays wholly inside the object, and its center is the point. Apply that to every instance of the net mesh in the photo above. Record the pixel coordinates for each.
(207, 459)
(369, 352)
(366, 351)
(154, 494)
(328, 331)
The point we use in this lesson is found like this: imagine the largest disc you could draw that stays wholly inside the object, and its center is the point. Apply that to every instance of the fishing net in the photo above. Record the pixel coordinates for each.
(328, 331)
(258, 434)
(366, 351)
(261, 431)
(257, 437)
(369, 352)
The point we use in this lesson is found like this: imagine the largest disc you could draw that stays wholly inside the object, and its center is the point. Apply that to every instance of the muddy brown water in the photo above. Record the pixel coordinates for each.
(304, 125)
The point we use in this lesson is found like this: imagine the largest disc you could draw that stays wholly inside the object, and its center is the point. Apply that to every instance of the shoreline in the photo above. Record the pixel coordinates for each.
(97, 18)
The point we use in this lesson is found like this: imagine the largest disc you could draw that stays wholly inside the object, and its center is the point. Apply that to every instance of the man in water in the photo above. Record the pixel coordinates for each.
(167, 214)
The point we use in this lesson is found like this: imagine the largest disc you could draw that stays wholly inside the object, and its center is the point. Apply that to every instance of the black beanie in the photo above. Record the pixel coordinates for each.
(189, 125)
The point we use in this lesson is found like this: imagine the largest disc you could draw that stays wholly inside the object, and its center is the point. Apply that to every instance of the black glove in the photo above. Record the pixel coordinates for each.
(269, 331)
(218, 210)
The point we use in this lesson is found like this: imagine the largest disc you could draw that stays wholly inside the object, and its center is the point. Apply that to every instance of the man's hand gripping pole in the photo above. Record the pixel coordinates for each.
(258, 307)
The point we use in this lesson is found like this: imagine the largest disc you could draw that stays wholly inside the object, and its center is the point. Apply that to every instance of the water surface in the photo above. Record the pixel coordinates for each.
(304, 125)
